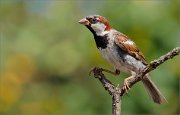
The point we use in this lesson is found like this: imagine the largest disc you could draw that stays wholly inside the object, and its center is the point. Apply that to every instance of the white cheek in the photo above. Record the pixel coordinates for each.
(98, 28)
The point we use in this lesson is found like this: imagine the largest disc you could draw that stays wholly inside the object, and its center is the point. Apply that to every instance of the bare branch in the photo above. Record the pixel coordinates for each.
(116, 92)
(162, 59)
(105, 82)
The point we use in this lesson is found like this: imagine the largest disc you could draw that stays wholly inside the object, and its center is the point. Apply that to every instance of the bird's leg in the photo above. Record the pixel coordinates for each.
(126, 84)
(116, 72)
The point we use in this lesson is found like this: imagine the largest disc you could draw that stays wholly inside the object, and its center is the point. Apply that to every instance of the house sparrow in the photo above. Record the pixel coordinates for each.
(121, 52)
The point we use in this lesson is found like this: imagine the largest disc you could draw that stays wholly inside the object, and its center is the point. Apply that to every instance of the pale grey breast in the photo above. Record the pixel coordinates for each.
(120, 59)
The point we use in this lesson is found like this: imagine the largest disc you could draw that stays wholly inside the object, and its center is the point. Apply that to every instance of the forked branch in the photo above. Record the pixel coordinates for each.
(116, 92)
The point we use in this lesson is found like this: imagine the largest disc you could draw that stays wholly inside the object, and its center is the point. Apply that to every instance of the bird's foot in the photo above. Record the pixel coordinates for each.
(126, 85)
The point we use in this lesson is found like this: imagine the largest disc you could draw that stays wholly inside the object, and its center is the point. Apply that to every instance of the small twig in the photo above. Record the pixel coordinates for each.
(116, 92)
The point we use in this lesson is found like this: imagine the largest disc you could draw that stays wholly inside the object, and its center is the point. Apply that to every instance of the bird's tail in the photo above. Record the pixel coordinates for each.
(153, 91)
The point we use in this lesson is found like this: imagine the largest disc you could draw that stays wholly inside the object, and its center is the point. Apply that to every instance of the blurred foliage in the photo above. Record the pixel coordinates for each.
(46, 55)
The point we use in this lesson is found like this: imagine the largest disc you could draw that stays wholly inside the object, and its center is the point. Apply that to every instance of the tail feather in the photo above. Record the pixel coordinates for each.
(153, 91)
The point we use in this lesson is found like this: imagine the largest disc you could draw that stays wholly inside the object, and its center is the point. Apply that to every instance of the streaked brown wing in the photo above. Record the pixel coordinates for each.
(129, 46)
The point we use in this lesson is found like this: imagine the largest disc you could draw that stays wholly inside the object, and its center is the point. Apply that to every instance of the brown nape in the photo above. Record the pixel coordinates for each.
(103, 20)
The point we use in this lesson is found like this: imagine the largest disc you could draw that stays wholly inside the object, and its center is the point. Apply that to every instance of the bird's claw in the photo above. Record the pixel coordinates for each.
(126, 86)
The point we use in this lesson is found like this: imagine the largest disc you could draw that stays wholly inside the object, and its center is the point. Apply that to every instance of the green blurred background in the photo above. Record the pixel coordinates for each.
(46, 56)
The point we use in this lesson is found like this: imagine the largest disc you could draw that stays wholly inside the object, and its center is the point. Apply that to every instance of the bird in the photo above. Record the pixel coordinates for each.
(121, 53)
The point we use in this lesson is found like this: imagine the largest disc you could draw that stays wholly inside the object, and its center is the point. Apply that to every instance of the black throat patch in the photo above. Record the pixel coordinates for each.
(101, 41)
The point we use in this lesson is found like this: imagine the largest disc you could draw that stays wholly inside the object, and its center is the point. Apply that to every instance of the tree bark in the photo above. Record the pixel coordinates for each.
(116, 102)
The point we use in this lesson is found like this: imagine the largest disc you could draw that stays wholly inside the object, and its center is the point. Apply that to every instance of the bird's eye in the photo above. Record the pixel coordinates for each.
(94, 20)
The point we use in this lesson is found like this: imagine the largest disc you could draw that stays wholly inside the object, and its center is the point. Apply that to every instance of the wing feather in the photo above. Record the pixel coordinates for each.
(129, 46)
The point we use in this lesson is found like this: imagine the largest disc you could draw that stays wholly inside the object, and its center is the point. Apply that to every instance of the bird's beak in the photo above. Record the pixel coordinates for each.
(84, 21)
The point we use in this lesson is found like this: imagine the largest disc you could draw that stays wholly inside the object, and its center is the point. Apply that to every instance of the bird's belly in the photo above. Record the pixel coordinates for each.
(121, 60)
(114, 59)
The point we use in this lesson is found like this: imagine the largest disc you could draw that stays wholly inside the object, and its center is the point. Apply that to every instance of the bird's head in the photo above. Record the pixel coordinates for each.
(96, 24)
